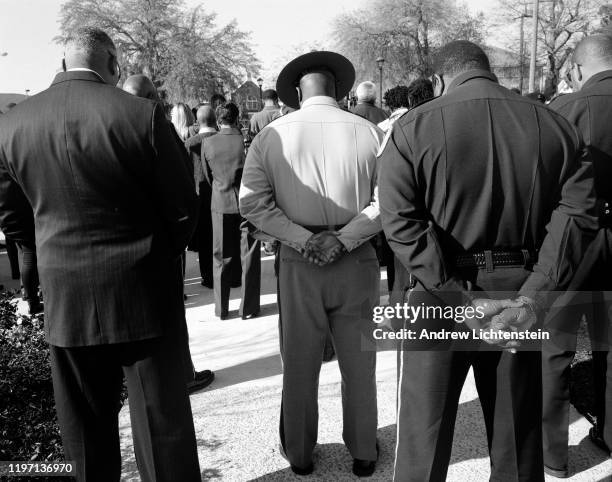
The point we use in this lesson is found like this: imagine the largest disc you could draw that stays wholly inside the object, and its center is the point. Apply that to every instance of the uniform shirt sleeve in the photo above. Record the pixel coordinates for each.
(363, 226)
(570, 231)
(258, 205)
(406, 222)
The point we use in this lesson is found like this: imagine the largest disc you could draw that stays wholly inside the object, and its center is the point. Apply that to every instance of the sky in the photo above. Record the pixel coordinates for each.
(27, 29)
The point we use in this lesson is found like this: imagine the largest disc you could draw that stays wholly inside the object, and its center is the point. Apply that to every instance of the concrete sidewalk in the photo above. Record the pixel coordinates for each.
(236, 418)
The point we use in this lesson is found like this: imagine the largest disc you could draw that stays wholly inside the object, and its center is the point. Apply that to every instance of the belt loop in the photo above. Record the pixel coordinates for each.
(488, 254)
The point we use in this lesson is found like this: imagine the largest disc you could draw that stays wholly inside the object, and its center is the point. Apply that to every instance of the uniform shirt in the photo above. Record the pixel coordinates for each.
(315, 167)
(223, 154)
(482, 168)
(388, 123)
(590, 110)
(369, 111)
(262, 118)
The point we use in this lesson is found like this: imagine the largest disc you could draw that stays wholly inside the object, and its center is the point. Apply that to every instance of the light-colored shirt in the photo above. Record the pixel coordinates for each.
(388, 123)
(315, 167)
(84, 69)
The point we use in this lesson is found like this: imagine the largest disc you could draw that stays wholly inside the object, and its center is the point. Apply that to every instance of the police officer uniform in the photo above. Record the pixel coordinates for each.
(468, 183)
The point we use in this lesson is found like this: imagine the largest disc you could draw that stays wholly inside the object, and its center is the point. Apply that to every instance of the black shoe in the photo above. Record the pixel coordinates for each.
(558, 473)
(236, 284)
(294, 468)
(200, 380)
(34, 307)
(251, 316)
(365, 468)
(598, 440)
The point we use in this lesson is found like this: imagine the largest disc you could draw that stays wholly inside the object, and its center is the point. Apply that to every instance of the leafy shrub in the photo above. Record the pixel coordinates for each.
(28, 424)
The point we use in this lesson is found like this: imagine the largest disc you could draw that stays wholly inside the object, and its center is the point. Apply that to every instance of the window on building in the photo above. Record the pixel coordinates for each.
(252, 102)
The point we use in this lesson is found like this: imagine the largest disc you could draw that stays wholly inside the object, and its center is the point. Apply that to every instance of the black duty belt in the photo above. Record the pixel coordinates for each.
(491, 259)
(320, 229)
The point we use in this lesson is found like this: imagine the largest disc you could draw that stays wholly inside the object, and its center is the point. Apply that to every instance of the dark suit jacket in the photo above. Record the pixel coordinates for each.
(369, 111)
(114, 206)
(194, 147)
(224, 155)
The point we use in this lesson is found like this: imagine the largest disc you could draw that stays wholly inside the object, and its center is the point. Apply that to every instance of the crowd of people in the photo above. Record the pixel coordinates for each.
(471, 195)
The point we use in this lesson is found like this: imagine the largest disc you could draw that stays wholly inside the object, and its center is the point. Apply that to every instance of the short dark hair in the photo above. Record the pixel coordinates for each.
(459, 56)
(269, 94)
(397, 97)
(216, 100)
(420, 90)
(90, 39)
(227, 113)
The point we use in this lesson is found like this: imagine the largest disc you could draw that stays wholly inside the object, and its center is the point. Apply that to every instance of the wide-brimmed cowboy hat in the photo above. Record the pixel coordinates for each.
(339, 65)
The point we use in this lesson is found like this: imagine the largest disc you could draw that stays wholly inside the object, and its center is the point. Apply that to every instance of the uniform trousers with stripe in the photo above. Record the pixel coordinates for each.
(431, 377)
(314, 301)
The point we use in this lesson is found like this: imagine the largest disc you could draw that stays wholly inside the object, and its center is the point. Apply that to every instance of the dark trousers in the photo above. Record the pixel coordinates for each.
(508, 385)
(87, 384)
(314, 301)
(204, 235)
(13, 256)
(585, 297)
(236, 260)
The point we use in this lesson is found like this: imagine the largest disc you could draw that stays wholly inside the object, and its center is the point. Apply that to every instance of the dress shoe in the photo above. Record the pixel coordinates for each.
(598, 440)
(236, 284)
(558, 473)
(200, 380)
(294, 468)
(34, 307)
(251, 316)
(365, 468)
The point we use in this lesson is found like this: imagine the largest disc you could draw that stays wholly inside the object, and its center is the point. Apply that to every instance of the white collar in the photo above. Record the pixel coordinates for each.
(205, 129)
(84, 69)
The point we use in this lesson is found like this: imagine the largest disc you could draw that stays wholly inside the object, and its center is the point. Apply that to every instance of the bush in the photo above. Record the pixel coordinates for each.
(28, 424)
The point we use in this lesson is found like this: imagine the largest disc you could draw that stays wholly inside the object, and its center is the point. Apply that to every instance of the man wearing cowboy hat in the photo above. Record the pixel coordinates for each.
(310, 181)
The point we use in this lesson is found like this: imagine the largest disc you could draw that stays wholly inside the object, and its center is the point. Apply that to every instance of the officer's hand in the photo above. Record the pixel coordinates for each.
(324, 248)
(488, 307)
(517, 318)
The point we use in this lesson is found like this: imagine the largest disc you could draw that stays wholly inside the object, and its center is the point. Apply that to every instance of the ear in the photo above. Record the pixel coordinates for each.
(299, 93)
(111, 65)
(578, 71)
(437, 84)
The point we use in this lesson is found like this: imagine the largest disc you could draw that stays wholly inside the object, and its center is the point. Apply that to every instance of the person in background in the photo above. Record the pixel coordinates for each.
(588, 108)
(269, 112)
(366, 100)
(181, 118)
(216, 100)
(202, 238)
(140, 85)
(234, 250)
(114, 207)
(398, 101)
(537, 96)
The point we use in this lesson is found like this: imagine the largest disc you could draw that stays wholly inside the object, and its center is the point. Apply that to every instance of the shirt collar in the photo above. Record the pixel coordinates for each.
(270, 107)
(598, 77)
(470, 75)
(319, 100)
(205, 129)
(229, 130)
(84, 69)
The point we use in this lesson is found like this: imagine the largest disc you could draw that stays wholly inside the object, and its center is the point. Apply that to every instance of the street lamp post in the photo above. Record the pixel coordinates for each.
(522, 48)
(260, 83)
(380, 61)
(534, 46)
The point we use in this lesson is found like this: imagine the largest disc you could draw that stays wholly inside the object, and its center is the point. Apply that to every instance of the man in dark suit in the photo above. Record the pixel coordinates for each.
(202, 239)
(466, 208)
(366, 100)
(114, 206)
(270, 111)
(589, 108)
(233, 248)
(141, 86)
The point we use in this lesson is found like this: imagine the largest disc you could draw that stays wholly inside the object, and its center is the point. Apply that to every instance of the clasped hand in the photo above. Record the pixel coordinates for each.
(504, 315)
(324, 248)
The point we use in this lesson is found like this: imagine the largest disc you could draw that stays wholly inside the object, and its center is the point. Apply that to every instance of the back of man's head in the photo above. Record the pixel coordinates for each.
(459, 56)
(92, 48)
(140, 86)
(206, 116)
(594, 52)
(366, 92)
(227, 114)
(270, 94)
(216, 100)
